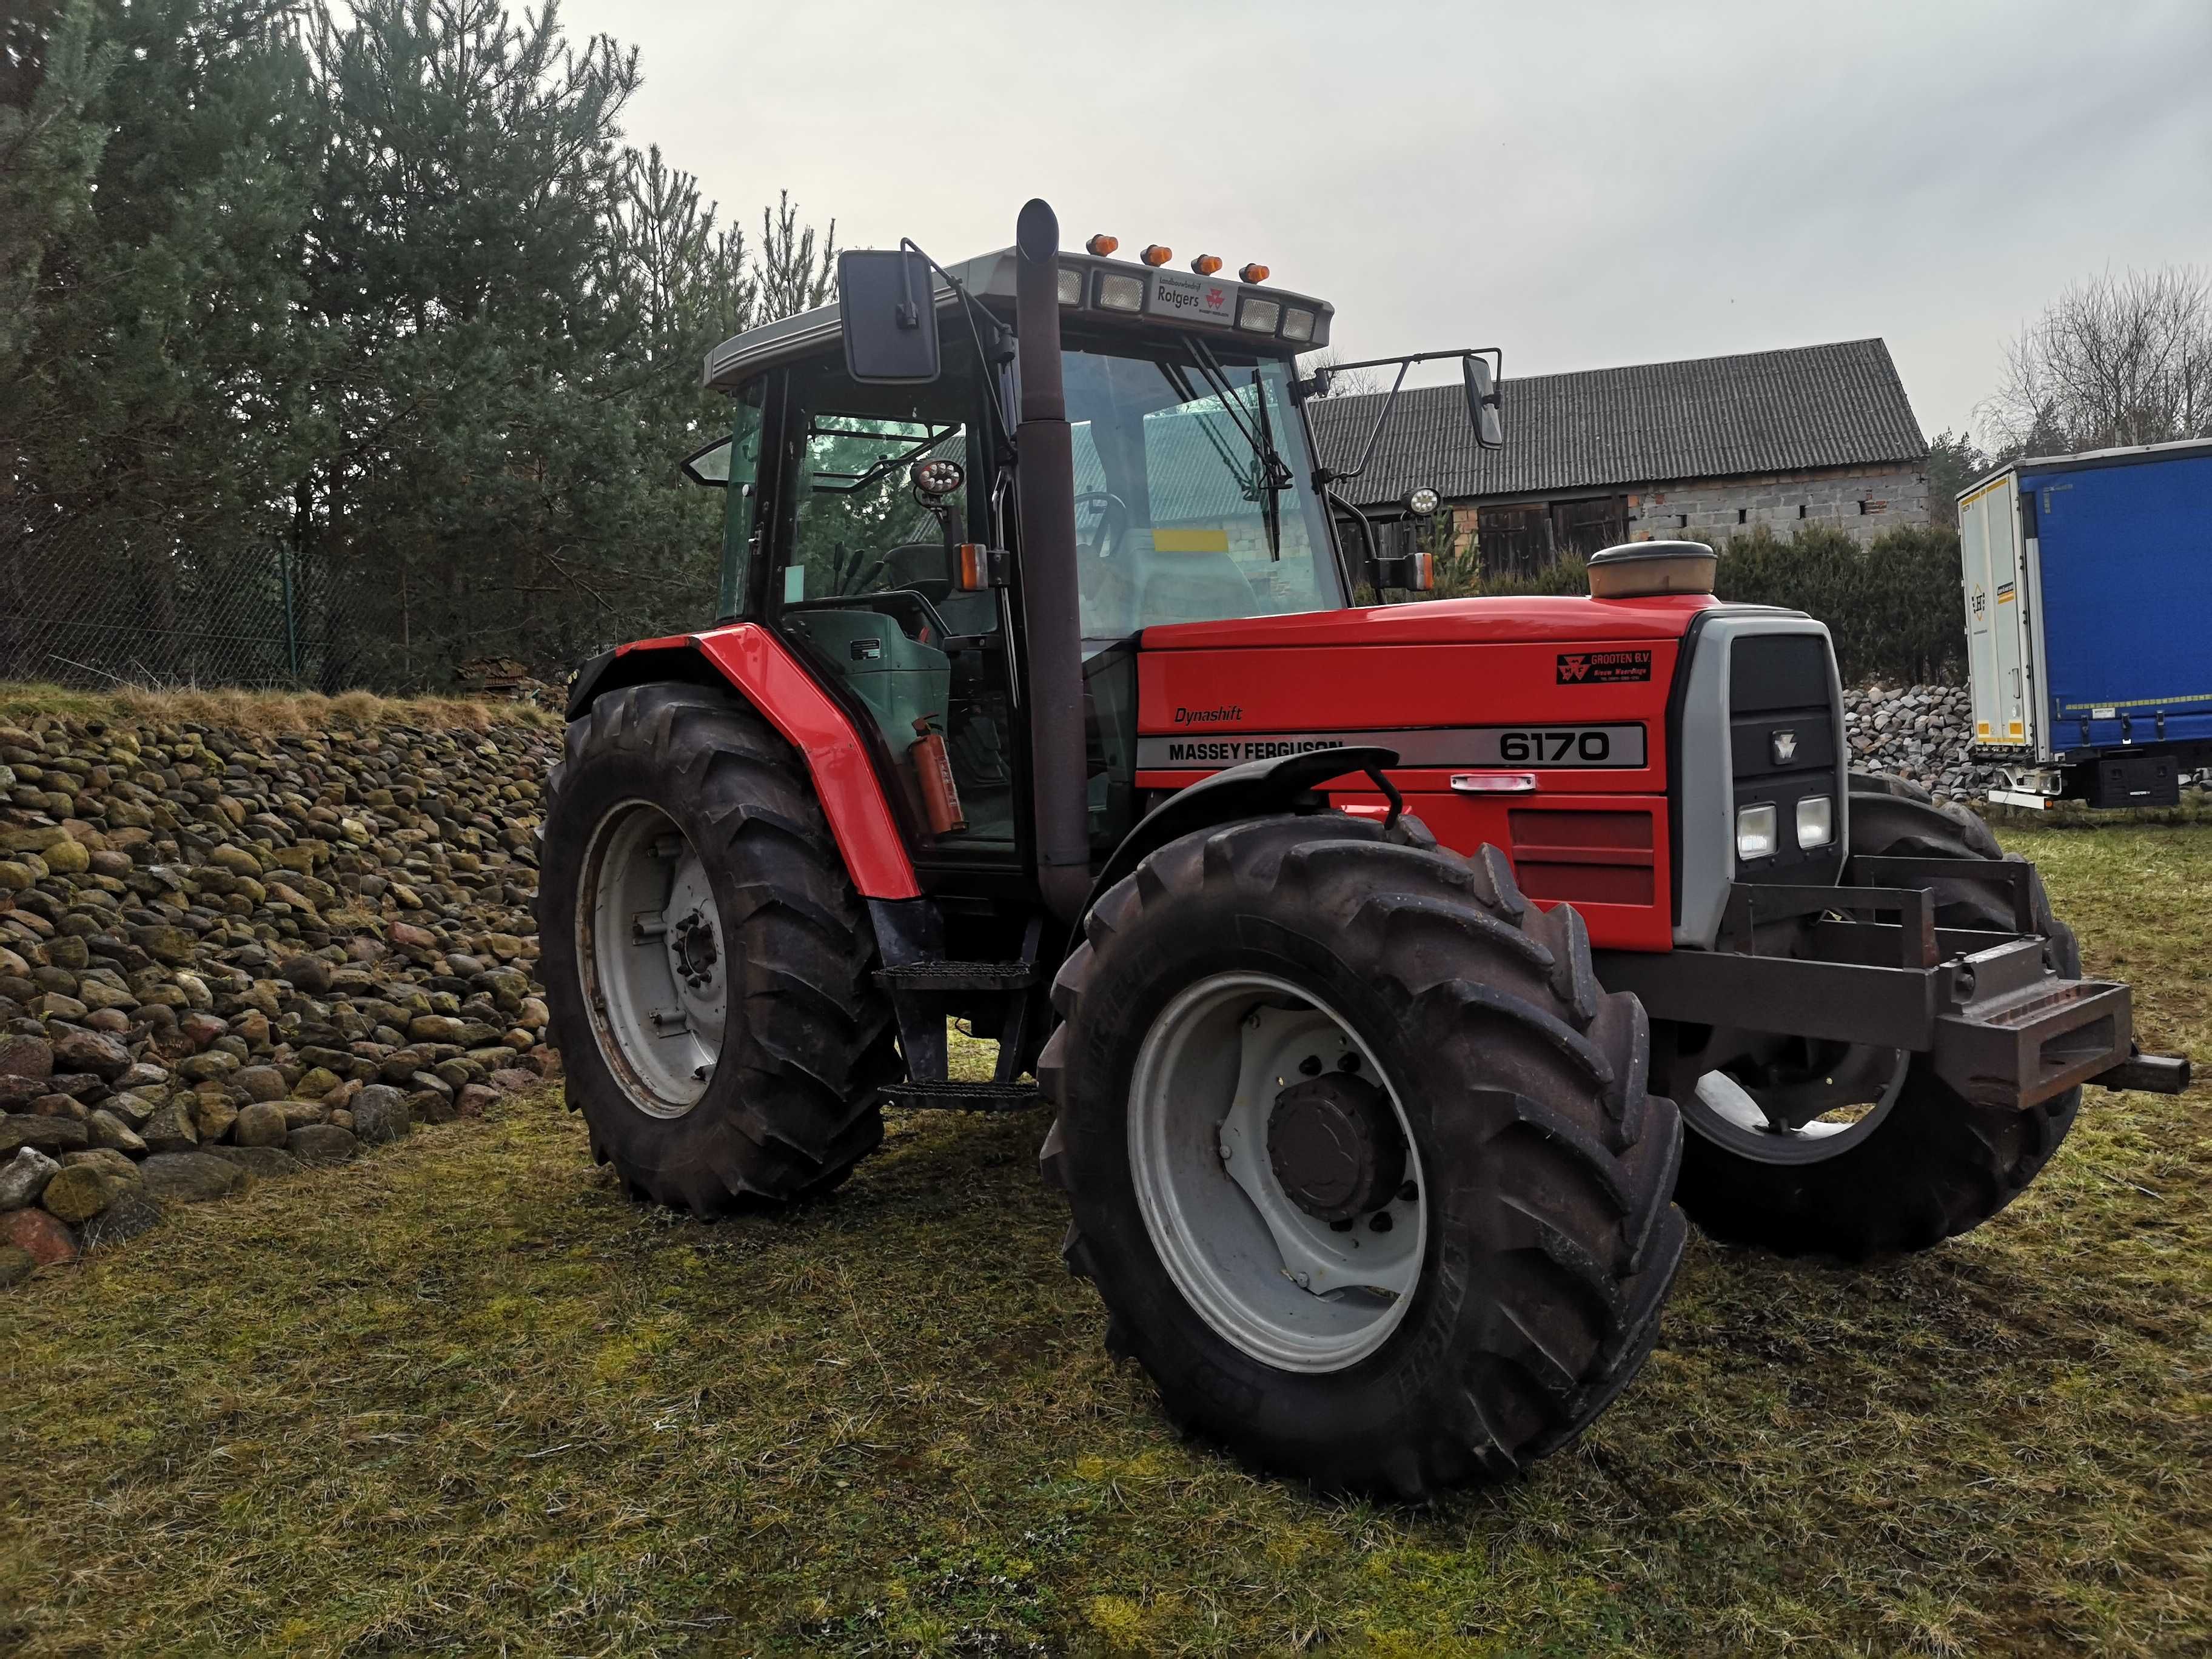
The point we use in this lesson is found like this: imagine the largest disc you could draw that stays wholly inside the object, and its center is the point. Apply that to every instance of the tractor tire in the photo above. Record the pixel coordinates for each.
(1936, 1164)
(1534, 1236)
(733, 1056)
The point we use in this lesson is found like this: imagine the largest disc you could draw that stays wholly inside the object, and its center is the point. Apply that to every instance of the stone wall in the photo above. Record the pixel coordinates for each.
(1916, 732)
(226, 954)
(1715, 509)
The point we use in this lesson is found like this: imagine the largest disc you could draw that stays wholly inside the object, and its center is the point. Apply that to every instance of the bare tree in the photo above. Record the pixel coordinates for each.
(1345, 384)
(2116, 360)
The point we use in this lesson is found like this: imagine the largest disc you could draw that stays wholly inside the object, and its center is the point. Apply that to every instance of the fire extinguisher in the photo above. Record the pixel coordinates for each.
(932, 770)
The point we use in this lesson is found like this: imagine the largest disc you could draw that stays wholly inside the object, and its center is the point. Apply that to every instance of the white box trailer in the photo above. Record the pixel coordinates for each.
(2087, 584)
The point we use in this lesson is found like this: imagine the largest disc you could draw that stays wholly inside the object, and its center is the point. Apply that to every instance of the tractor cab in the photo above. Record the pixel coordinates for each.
(874, 522)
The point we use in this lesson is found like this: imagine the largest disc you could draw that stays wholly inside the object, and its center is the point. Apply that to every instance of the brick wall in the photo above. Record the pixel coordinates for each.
(1892, 496)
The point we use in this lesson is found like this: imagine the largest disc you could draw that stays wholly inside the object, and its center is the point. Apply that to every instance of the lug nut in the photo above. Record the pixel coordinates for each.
(1309, 1066)
(1349, 1063)
(1381, 1224)
(1408, 1192)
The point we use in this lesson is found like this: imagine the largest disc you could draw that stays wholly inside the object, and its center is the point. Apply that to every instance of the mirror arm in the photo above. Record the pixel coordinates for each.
(967, 310)
(1366, 529)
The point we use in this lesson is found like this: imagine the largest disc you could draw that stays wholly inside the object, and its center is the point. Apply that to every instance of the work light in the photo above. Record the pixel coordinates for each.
(1298, 325)
(1755, 832)
(1259, 315)
(1816, 821)
(1119, 293)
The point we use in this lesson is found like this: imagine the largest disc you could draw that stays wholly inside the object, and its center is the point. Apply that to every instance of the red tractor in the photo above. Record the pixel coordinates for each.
(1374, 958)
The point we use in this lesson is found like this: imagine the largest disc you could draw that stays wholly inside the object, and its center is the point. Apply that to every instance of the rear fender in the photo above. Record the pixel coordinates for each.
(1290, 783)
(760, 668)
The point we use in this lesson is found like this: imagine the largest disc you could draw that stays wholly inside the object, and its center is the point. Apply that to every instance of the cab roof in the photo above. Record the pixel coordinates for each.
(1162, 298)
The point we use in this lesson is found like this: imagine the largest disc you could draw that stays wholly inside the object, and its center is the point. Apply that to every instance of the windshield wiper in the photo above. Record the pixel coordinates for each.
(1274, 475)
(1268, 476)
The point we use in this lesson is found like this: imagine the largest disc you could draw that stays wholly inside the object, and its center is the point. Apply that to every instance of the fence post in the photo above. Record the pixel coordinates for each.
(291, 622)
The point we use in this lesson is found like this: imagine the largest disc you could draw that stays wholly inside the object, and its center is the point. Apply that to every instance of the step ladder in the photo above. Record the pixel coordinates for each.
(925, 986)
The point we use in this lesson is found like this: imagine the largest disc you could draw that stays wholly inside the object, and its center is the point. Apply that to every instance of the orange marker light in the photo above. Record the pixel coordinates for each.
(1253, 273)
(1156, 255)
(1102, 245)
(1206, 264)
(974, 568)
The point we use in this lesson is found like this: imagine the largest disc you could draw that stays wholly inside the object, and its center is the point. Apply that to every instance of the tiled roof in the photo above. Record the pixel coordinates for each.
(1709, 417)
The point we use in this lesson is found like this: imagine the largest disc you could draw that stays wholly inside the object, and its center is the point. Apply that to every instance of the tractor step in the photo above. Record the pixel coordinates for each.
(962, 1096)
(957, 976)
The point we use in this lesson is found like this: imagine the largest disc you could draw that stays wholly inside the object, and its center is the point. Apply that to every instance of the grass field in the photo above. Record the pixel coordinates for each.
(466, 1397)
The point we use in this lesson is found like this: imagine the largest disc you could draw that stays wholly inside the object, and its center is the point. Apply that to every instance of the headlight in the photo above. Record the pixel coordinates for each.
(1755, 832)
(1118, 292)
(1816, 821)
(1259, 315)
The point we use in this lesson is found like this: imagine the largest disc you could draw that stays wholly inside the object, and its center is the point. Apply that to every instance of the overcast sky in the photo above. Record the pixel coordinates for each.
(1581, 184)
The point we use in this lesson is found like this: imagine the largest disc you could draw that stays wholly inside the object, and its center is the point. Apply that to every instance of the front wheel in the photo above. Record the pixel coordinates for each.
(1360, 1157)
(706, 959)
(1811, 1147)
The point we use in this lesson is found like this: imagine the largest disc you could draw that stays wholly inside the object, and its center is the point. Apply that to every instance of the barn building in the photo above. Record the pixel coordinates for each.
(1707, 448)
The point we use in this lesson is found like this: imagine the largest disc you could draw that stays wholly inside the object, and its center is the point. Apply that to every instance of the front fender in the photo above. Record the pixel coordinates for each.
(760, 668)
(1288, 783)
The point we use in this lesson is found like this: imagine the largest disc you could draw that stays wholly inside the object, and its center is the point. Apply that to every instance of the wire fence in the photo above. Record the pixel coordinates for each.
(82, 608)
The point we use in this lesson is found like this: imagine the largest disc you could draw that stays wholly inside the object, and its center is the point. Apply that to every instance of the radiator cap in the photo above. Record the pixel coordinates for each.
(1636, 570)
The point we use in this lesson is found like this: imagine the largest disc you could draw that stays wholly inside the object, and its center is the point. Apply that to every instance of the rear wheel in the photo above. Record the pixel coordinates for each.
(1360, 1157)
(1827, 1148)
(705, 956)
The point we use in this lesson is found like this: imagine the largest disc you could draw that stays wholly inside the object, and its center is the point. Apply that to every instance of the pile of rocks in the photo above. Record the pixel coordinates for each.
(226, 953)
(1918, 732)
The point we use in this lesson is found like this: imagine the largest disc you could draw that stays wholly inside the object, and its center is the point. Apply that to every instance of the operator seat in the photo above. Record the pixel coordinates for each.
(919, 566)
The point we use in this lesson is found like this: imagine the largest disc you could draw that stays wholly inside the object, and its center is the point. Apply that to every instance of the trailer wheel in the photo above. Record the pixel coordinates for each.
(1898, 1160)
(706, 959)
(1360, 1157)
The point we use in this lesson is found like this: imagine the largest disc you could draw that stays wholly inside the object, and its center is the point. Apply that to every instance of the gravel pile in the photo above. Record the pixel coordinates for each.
(226, 955)
(1918, 732)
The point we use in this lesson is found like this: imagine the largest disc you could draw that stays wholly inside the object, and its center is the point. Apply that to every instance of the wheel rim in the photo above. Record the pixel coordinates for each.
(1283, 1286)
(1810, 1120)
(655, 959)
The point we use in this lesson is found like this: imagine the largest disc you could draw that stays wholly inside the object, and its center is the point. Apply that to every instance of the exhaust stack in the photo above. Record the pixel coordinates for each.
(1049, 596)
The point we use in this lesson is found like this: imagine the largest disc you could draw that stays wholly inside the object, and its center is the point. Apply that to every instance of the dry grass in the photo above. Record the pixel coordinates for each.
(274, 712)
(468, 1398)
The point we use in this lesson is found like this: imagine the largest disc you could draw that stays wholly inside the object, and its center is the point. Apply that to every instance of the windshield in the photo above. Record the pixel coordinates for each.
(1191, 505)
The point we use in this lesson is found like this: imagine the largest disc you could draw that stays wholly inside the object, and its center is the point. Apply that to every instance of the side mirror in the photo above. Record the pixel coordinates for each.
(1482, 402)
(888, 312)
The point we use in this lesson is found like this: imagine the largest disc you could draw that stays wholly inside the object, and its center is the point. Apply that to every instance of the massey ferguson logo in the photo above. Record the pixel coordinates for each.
(1785, 747)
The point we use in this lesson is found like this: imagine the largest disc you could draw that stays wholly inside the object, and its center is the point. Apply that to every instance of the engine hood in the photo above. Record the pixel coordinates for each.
(1515, 620)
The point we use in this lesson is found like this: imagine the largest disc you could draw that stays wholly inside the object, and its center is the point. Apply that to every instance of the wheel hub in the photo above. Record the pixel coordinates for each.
(649, 937)
(1333, 1141)
(1267, 1270)
(691, 949)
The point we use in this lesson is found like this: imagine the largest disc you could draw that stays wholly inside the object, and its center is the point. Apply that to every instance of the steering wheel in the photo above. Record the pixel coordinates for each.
(1113, 521)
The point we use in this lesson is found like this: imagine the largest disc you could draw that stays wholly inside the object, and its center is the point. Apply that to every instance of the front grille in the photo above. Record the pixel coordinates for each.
(1782, 749)
(1585, 858)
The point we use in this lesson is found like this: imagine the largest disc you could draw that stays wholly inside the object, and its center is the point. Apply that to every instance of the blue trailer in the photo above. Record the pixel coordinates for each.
(2089, 598)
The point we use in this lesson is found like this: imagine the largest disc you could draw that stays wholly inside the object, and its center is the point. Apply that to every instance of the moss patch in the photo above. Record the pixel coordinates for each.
(467, 1397)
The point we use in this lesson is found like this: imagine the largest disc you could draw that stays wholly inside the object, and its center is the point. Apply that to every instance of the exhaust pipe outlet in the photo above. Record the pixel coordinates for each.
(1050, 600)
